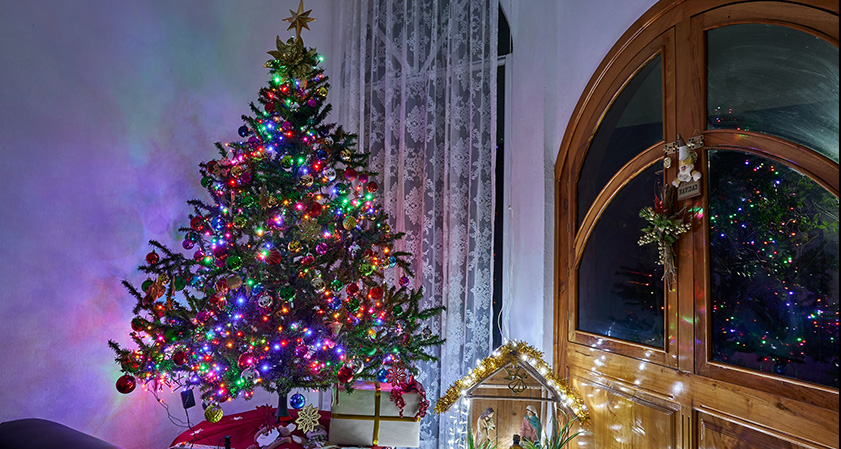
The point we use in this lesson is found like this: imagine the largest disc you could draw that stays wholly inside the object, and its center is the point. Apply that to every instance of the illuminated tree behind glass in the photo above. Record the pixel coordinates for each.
(774, 268)
(285, 287)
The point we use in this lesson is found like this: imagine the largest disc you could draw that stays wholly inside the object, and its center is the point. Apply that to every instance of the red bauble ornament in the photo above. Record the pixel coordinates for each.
(137, 325)
(273, 257)
(246, 360)
(152, 258)
(308, 260)
(363, 178)
(315, 210)
(345, 374)
(352, 289)
(350, 174)
(126, 384)
(376, 293)
(371, 187)
(179, 358)
(197, 223)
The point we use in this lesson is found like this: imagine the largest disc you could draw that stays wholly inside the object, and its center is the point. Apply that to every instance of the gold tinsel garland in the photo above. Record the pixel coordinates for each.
(513, 352)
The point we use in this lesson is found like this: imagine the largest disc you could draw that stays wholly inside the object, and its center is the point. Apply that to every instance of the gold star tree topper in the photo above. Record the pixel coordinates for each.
(299, 20)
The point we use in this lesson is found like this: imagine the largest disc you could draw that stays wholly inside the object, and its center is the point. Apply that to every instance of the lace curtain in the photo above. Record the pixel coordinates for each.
(417, 83)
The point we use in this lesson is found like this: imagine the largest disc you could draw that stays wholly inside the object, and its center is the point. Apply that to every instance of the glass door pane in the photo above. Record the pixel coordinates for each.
(773, 269)
(774, 80)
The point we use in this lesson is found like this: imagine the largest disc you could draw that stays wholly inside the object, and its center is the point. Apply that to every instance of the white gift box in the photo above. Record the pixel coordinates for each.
(366, 417)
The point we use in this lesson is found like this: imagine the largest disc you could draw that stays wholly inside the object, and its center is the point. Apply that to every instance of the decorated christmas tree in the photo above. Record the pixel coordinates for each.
(284, 279)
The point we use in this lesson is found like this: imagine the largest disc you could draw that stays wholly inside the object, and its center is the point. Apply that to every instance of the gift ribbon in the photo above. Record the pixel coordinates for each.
(377, 417)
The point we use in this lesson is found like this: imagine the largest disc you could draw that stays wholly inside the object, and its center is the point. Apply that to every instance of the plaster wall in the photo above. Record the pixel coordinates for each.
(108, 107)
(557, 47)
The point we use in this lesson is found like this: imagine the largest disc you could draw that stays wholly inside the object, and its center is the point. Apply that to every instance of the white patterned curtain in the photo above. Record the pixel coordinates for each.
(417, 83)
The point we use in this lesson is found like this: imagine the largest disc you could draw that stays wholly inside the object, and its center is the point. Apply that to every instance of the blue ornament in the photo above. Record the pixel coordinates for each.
(297, 401)
(243, 131)
(197, 281)
(382, 375)
(217, 223)
(336, 303)
(257, 289)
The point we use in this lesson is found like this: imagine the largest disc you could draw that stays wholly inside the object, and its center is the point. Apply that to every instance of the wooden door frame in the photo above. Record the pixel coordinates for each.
(685, 19)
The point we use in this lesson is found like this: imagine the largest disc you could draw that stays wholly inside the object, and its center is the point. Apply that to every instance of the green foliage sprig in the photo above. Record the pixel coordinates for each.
(664, 228)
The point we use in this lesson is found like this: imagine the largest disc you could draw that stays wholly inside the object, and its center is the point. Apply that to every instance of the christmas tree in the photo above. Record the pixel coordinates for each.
(284, 283)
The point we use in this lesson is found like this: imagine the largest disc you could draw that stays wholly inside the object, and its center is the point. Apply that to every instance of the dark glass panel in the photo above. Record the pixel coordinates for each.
(633, 123)
(774, 269)
(620, 287)
(775, 80)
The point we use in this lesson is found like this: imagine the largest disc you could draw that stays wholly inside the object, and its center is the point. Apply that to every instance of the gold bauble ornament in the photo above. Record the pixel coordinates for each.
(213, 413)
(234, 282)
(349, 222)
(294, 246)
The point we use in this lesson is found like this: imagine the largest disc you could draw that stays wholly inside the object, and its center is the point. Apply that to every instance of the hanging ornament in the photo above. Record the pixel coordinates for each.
(404, 281)
(188, 244)
(286, 293)
(345, 374)
(179, 358)
(335, 303)
(330, 174)
(273, 257)
(397, 310)
(243, 131)
(321, 249)
(234, 263)
(234, 282)
(152, 258)
(350, 174)
(240, 221)
(352, 289)
(221, 287)
(371, 187)
(126, 384)
(301, 351)
(246, 360)
(137, 325)
(294, 246)
(318, 285)
(308, 260)
(265, 300)
(178, 283)
(375, 293)
(349, 222)
(213, 413)
(297, 401)
(197, 223)
(307, 180)
(382, 375)
(250, 375)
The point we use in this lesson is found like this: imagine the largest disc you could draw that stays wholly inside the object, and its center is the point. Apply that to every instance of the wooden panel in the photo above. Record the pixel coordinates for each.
(622, 420)
(722, 432)
(633, 377)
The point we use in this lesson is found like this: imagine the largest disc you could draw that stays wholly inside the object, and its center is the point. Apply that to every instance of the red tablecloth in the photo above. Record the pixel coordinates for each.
(242, 428)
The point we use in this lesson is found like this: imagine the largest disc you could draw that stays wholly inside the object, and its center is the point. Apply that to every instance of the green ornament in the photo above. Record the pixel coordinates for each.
(397, 310)
(213, 413)
(353, 305)
(206, 181)
(146, 284)
(286, 162)
(178, 283)
(341, 189)
(234, 263)
(335, 284)
(366, 268)
(170, 335)
(247, 201)
(240, 221)
(286, 293)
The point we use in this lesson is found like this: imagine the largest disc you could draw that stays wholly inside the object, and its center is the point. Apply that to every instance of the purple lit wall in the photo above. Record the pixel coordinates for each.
(106, 109)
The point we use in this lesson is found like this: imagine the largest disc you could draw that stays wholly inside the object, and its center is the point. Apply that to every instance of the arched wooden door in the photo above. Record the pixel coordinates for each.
(741, 350)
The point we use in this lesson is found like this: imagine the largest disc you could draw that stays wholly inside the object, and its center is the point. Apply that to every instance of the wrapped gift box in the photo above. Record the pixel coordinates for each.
(366, 417)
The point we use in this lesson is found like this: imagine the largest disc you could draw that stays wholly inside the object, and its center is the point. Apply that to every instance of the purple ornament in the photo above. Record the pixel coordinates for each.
(404, 281)
(321, 248)
(301, 351)
(188, 244)
(312, 103)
